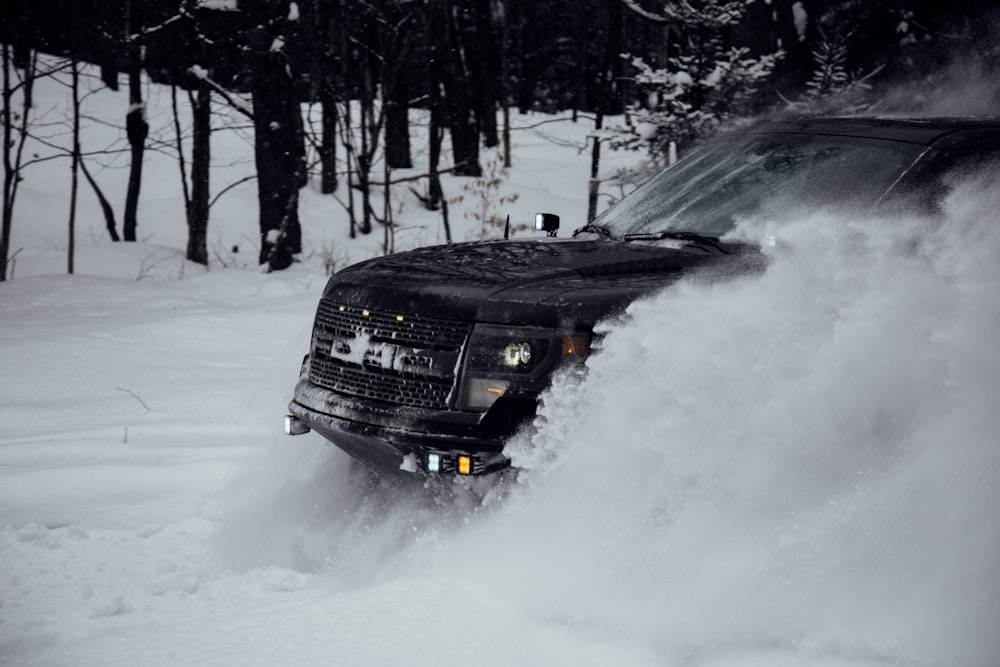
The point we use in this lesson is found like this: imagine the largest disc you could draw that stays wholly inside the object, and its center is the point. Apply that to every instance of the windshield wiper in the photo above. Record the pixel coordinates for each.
(603, 232)
(692, 237)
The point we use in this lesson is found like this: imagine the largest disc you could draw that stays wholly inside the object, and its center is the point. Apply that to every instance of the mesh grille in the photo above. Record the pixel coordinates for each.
(377, 377)
(365, 383)
(418, 332)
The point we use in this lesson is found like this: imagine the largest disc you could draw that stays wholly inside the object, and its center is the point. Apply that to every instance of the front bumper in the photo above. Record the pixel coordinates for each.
(390, 437)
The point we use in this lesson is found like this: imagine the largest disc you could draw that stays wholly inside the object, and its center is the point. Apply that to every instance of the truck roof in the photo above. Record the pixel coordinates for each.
(923, 131)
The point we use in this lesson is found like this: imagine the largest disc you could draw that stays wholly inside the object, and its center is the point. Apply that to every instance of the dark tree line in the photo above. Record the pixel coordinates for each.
(365, 63)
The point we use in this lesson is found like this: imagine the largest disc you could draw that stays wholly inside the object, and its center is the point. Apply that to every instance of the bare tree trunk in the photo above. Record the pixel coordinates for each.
(328, 147)
(197, 198)
(326, 66)
(366, 104)
(181, 160)
(135, 121)
(389, 238)
(395, 77)
(17, 31)
(528, 41)
(501, 10)
(201, 151)
(435, 106)
(346, 128)
(486, 72)
(108, 67)
(74, 164)
(9, 170)
(12, 162)
(594, 184)
(610, 53)
(397, 122)
(279, 150)
(283, 240)
(464, 133)
(444, 219)
(582, 46)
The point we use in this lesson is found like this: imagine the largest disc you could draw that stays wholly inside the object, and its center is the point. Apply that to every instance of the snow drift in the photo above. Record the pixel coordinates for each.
(799, 468)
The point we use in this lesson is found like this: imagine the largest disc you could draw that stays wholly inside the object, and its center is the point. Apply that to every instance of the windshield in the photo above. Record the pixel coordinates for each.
(733, 178)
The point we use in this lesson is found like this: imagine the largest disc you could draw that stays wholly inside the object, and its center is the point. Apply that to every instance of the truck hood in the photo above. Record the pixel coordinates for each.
(563, 283)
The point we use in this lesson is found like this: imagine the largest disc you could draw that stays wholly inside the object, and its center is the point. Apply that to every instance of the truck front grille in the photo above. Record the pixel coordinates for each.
(394, 358)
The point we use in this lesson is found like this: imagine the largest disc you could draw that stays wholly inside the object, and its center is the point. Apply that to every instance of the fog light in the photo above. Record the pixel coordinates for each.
(464, 465)
(481, 393)
(433, 462)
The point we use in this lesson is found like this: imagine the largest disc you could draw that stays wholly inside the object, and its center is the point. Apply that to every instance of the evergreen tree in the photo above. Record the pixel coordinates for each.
(706, 82)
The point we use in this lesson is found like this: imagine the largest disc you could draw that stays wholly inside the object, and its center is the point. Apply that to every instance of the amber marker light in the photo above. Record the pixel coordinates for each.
(399, 318)
(464, 465)
(365, 313)
(574, 346)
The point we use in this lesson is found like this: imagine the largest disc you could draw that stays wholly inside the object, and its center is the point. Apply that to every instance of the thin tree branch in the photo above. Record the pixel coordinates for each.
(408, 179)
(109, 213)
(180, 149)
(229, 187)
(135, 396)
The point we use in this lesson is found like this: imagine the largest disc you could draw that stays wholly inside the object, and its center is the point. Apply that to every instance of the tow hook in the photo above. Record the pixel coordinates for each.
(295, 426)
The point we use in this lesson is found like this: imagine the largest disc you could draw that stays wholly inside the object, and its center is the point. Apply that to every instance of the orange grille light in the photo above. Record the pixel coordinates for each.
(464, 465)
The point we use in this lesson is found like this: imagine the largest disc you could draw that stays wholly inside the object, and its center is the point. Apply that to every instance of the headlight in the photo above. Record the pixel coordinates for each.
(500, 359)
(516, 355)
(507, 350)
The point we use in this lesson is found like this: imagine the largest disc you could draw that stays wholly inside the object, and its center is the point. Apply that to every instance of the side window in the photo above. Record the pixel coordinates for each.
(973, 165)
(976, 163)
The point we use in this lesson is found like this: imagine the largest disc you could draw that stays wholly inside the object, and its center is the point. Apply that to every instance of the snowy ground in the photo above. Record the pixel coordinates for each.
(800, 469)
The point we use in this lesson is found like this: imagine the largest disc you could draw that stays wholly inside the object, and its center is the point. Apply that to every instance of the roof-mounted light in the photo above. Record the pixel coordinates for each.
(547, 222)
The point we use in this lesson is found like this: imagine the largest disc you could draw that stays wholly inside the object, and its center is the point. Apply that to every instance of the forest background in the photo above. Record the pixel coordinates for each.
(329, 90)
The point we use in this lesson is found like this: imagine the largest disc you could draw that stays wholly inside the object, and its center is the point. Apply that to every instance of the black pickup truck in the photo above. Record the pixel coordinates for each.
(428, 360)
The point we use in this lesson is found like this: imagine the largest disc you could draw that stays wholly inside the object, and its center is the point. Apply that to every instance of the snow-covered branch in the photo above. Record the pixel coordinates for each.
(634, 7)
(237, 103)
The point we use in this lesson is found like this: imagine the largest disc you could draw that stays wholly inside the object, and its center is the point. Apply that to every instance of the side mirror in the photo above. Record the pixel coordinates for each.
(547, 222)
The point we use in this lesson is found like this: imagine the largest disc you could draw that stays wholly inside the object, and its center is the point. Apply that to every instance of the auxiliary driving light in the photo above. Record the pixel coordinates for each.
(295, 426)
(547, 222)
(433, 462)
(464, 465)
